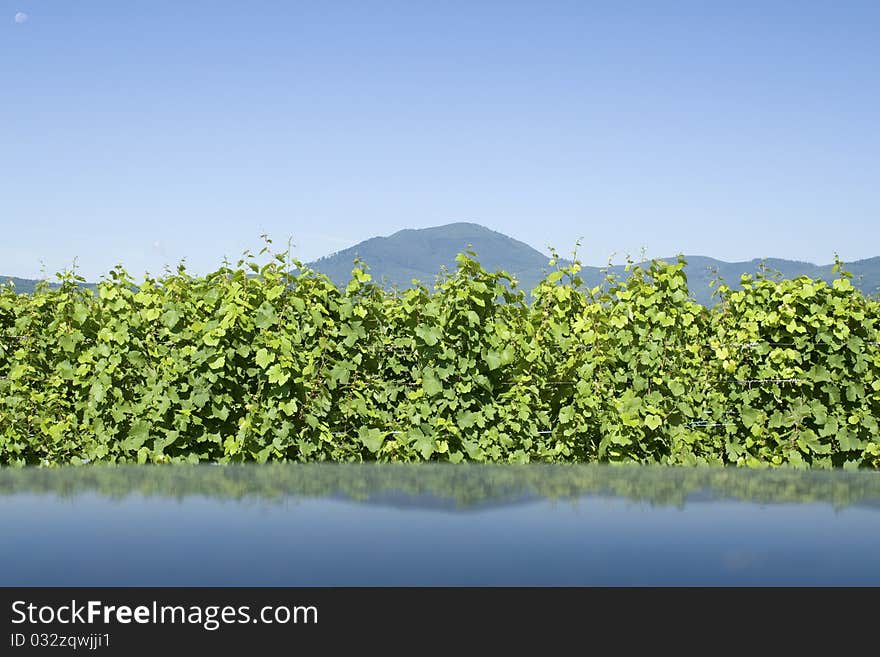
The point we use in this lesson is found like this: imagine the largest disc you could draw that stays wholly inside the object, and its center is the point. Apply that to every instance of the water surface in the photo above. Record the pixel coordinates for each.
(344, 525)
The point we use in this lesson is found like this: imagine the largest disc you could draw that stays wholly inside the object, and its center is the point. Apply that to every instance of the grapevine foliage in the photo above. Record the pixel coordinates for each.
(260, 362)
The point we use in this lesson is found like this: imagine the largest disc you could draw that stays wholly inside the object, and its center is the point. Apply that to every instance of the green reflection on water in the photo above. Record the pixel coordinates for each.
(455, 485)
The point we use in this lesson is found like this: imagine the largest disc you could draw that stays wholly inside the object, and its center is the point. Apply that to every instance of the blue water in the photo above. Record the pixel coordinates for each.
(453, 525)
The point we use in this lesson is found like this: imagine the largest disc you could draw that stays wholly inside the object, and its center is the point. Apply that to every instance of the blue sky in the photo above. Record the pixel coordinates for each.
(140, 132)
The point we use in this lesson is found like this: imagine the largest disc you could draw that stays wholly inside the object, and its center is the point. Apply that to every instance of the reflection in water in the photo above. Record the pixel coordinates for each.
(436, 525)
(452, 486)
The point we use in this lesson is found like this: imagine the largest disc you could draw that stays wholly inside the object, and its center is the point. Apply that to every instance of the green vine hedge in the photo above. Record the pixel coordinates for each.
(259, 362)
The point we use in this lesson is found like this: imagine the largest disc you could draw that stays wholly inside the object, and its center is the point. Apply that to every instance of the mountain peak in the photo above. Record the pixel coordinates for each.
(450, 228)
(420, 253)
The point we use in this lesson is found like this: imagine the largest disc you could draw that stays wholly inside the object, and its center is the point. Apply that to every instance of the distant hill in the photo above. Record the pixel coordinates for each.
(23, 285)
(27, 285)
(866, 273)
(421, 253)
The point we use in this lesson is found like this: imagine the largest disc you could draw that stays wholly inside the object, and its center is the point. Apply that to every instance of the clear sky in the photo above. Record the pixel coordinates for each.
(144, 131)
